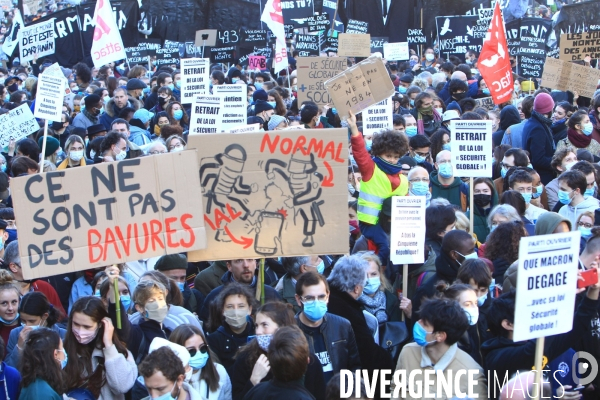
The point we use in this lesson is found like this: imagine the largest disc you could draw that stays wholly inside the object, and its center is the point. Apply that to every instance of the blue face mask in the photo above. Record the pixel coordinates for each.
(3, 167)
(411, 131)
(445, 170)
(258, 85)
(402, 89)
(472, 256)
(171, 86)
(503, 172)
(181, 286)
(585, 232)
(166, 396)
(9, 322)
(446, 146)
(527, 197)
(126, 300)
(315, 311)
(178, 84)
(420, 334)
(63, 363)
(492, 228)
(589, 192)
(481, 300)
(412, 102)
(321, 267)
(368, 144)
(199, 360)
(564, 197)
(486, 91)
(146, 90)
(272, 103)
(234, 80)
(372, 285)
(538, 191)
(97, 293)
(178, 114)
(419, 159)
(420, 188)
(587, 129)
(106, 99)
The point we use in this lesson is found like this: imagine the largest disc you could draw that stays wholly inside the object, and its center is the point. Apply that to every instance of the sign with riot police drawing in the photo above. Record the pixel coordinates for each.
(270, 194)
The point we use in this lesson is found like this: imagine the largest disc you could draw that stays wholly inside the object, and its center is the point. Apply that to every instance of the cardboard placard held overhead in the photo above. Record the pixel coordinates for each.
(16, 124)
(272, 194)
(108, 213)
(378, 117)
(407, 245)
(312, 74)
(578, 46)
(360, 86)
(563, 75)
(471, 143)
(37, 40)
(485, 102)
(354, 45)
(49, 99)
(206, 37)
(546, 285)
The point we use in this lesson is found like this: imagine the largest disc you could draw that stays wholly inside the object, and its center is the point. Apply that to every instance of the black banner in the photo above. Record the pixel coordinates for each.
(576, 18)
(532, 50)
(355, 26)
(318, 23)
(255, 37)
(457, 34)
(296, 12)
(377, 44)
(307, 45)
(139, 54)
(513, 40)
(416, 36)
(229, 37)
(222, 54)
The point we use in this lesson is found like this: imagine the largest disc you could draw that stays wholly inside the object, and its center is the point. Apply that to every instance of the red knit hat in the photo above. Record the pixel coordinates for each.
(543, 103)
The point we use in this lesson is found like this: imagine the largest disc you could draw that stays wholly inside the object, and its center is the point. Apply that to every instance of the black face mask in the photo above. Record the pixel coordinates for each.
(57, 125)
(459, 96)
(162, 101)
(13, 88)
(482, 200)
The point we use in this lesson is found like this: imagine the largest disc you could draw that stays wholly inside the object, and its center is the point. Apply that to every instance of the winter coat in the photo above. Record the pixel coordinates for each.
(111, 111)
(456, 193)
(538, 141)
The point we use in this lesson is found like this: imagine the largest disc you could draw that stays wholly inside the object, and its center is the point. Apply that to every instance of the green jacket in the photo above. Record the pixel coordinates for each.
(39, 389)
(480, 225)
(456, 192)
(210, 278)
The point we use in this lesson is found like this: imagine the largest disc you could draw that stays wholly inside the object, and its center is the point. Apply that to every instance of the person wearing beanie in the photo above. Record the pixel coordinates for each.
(89, 115)
(404, 83)
(175, 267)
(538, 139)
(263, 112)
(277, 122)
(135, 88)
(52, 149)
(259, 94)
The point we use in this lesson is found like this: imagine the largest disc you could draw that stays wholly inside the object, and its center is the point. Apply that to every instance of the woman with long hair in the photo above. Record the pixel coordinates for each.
(42, 364)
(9, 305)
(178, 116)
(251, 365)
(99, 361)
(35, 312)
(209, 378)
(502, 247)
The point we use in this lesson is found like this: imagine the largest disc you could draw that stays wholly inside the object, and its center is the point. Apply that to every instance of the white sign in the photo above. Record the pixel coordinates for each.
(378, 117)
(472, 153)
(546, 285)
(194, 78)
(37, 39)
(407, 244)
(207, 115)
(16, 124)
(49, 98)
(396, 51)
(245, 128)
(107, 45)
(234, 101)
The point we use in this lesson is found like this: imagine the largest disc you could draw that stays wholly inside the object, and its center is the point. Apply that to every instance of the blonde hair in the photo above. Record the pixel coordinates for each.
(369, 256)
(7, 282)
(49, 163)
(586, 214)
(462, 222)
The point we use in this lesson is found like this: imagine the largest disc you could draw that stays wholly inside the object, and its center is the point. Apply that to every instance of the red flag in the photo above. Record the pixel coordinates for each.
(494, 63)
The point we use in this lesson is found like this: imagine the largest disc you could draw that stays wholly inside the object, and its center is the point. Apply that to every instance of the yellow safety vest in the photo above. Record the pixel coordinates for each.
(373, 192)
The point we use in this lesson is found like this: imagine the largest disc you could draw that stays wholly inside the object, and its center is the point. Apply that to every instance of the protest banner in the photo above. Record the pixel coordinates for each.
(107, 45)
(485, 102)
(377, 44)
(533, 35)
(332, 42)
(222, 54)
(6, 5)
(546, 285)
(471, 143)
(416, 36)
(578, 46)
(234, 103)
(330, 7)
(578, 17)
(513, 38)
(245, 128)
(312, 72)
(354, 45)
(289, 32)
(396, 51)
(360, 86)
(207, 115)
(273, 19)
(37, 40)
(257, 62)
(407, 244)
(318, 23)
(194, 78)
(273, 193)
(562, 75)
(227, 37)
(254, 36)
(457, 34)
(355, 26)
(139, 54)
(307, 45)
(17, 124)
(108, 213)
(49, 98)
(378, 117)
(296, 12)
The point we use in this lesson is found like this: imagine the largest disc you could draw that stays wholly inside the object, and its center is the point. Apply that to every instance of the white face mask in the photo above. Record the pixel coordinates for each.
(76, 155)
(121, 155)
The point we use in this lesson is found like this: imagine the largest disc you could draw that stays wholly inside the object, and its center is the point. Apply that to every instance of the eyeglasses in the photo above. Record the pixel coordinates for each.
(585, 224)
(178, 145)
(308, 300)
(203, 349)
(158, 152)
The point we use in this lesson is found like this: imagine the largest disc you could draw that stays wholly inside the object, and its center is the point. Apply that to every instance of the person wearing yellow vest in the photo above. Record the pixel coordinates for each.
(381, 178)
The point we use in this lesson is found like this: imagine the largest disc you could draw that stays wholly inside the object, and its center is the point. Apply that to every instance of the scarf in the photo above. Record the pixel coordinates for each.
(546, 123)
(579, 140)
(420, 124)
(88, 115)
(388, 168)
(375, 305)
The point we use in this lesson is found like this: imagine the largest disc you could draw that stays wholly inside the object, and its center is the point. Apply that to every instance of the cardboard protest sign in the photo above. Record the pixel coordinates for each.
(17, 124)
(354, 45)
(257, 62)
(396, 51)
(378, 117)
(234, 102)
(361, 86)
(312, 74)
(457, 34)
(245, 128)
(562, 75)
(308, 45)
(37, 40)
(194, 78)
(416, 36)
(407, 244)
(273, 193)
(578, 46)
(49, 98)
(108, 213)
(355, 26)
(546, 285)
(485, 102)
(207, 115)
(471, 143)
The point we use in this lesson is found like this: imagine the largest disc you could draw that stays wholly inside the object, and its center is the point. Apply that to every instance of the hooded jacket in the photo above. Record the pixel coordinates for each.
(573, 212)
(456, 192)
(480, 215)
(111, 111)
(508, 116)
(210, 278)
(538, 141)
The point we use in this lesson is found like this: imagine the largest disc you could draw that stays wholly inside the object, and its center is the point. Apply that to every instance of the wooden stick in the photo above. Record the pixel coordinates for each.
(117, 302)
(404, 284)
(43, 157)
(471, 206)
(262, 281)
(539, 355)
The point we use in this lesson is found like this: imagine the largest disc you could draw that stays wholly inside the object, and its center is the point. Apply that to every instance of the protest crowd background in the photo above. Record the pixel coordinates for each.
(245, 200)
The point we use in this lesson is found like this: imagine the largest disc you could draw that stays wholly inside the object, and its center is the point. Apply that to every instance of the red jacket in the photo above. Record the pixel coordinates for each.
(48, 290)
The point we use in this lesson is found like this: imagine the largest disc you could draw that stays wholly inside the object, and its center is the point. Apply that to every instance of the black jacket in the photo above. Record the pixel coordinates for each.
(339, 341)
(225, 343)
(500, 267)
(559, 131)
(274, 390)
(242, 371)
(141, 335)
(193, 300)
(477, 334)
(372, 356)
(508, 116)
(538, 141)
